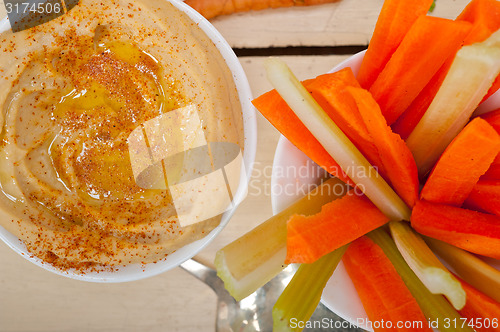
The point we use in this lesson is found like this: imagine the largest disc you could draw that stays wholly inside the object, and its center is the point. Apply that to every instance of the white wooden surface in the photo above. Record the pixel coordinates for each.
(32, 299)
(345, 22)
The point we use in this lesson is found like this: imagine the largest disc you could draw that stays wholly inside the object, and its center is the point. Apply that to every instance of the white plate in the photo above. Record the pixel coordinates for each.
(140, 271)
(339, 295)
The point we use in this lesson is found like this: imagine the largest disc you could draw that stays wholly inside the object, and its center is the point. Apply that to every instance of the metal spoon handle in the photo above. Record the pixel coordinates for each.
(228, 314)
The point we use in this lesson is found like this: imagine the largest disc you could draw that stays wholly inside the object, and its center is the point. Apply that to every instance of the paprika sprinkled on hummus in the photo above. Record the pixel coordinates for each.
(72, 91)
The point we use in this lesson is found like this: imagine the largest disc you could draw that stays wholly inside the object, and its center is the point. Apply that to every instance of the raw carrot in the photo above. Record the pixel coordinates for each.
(484, 15)
(213, 8)
(331, 94)
(424, 49)
(493, 173)
(276, 111)
(395, 19)
(470, 230)
(493, 118)
(395, 156)
(494, 88)
(382, 291)
(461, 165)
(481, 310)
(485, 197)
(339, 222)
(405, 124)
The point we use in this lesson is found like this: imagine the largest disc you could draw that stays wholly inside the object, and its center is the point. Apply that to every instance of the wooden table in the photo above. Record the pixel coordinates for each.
(32, 299)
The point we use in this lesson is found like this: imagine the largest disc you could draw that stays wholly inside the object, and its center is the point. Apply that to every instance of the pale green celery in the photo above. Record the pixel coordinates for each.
(252, 260)
(469, 267)
(474, 69)
(335, 142)
(434, 307)
(302, 295)
(433, 6)
(428, 268)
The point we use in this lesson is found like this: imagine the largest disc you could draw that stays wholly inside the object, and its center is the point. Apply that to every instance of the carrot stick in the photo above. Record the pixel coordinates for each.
(276, 111)
(435, 308)
(213, 8)
(331, 94)
(471, 74)
(481, 310)
(335, 141)
(494, 88)
(339, 222)
(382, 291)
(395, 19)
(424, 49)
(405, 124)
(461, 165)
(479, 32)
(470, 230)
(485, 17)
(485, 197)
(395, 156)
(493, 173)
(493, 118)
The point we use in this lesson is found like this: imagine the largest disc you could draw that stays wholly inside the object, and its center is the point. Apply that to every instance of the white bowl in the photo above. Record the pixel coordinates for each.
(140, 271)
(339, 295)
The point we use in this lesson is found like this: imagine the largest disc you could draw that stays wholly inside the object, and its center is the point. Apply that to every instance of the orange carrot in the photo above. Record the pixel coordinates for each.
(405, 124)
(493, 119)
(331, 94)
(382, 291)
(395, 156)
(470, 230)
(485, 196)
(480, 309)
(213, 8)
(494, 88)
(394, 21)
(493, 173)
(461, 165)
(276, 111)
(424, 49)
(338, 223)
(485, 18)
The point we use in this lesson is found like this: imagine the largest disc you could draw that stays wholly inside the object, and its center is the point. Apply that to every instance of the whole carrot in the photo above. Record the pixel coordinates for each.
(212, 8)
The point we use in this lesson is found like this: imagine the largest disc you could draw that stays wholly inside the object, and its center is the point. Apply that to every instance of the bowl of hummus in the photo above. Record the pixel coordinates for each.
(127, 138)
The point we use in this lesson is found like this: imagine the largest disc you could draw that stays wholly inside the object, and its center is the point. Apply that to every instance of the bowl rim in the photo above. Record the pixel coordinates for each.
(141, 271)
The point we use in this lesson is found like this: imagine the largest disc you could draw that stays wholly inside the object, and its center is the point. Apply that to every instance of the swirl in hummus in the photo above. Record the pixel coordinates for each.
(72, 91)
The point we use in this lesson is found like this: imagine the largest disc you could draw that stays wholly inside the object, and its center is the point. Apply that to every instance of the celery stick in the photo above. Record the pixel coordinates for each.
(474, 69)
(255, 258)
(335, 142)
(426, 265)
(302, 295)
(434, 307)
(470, 268)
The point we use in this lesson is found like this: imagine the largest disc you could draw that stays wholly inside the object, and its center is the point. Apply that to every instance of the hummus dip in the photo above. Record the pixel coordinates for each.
(71, 93)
